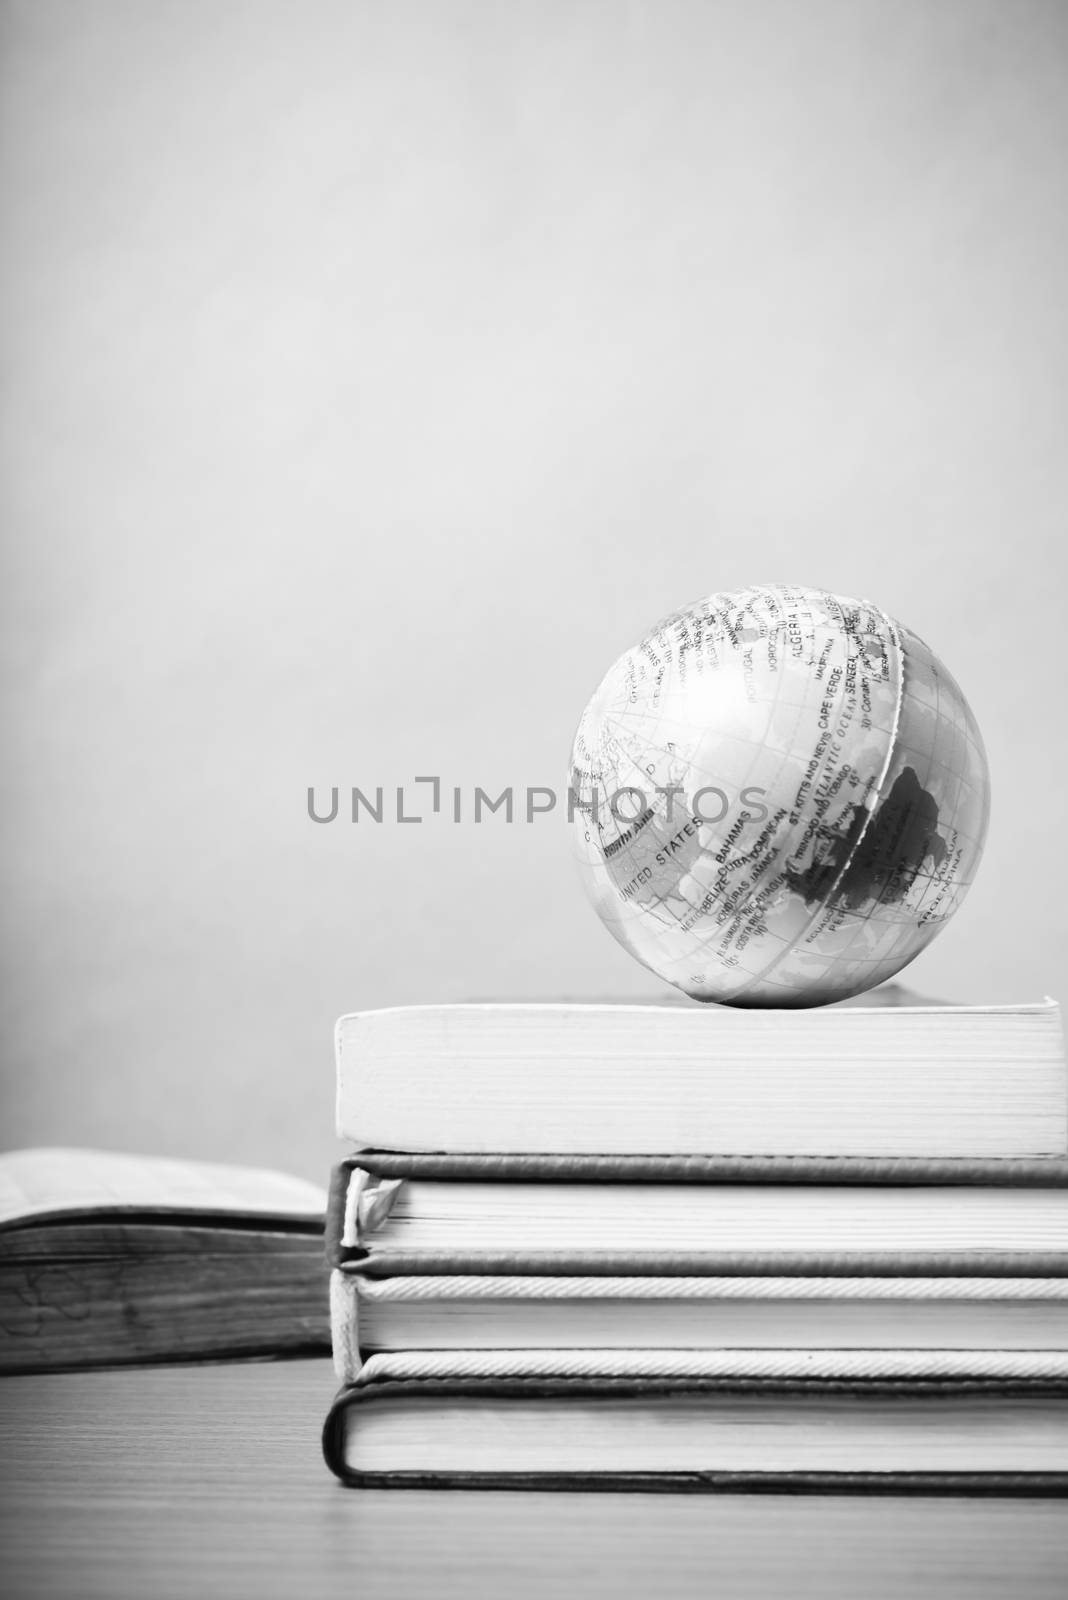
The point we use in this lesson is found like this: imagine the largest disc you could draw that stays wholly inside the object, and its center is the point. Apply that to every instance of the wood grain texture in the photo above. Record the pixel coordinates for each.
(208, 1481)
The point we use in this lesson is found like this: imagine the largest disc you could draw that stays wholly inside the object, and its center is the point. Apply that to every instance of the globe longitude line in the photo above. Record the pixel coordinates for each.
(789, 944)
(773, 702)
(663, 902)
(764, 975)
(759, 748)
(893, 925)
(705, 771)
(630, 758)
(962, 726)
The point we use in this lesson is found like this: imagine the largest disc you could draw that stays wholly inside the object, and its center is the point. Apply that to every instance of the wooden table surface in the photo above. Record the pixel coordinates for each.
(206, 1481)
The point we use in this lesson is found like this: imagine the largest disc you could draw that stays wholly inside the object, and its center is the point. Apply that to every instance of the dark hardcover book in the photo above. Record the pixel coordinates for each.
(969, 1436)
(109, 1259)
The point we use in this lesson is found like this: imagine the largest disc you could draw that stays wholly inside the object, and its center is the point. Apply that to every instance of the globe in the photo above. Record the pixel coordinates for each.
(779, 797)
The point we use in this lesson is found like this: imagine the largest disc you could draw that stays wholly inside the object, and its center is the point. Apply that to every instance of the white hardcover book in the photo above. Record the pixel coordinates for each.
(695, 1422)
(372, 1316)
(918, 1081)
(653, 1223)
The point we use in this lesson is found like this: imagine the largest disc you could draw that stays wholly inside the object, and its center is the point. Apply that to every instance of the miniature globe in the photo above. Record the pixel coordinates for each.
(779, 797)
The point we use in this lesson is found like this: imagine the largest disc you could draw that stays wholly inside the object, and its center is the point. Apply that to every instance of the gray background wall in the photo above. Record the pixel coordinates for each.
(375, 375)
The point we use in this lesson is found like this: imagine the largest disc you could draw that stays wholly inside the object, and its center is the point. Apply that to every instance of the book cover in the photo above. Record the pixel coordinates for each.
(385, 1225)
(948, 1435)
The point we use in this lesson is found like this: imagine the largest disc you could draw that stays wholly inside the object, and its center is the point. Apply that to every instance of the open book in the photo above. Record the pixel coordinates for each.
(108, 1258)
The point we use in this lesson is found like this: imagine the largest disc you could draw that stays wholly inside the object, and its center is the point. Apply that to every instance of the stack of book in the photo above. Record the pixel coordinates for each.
(663, 1246)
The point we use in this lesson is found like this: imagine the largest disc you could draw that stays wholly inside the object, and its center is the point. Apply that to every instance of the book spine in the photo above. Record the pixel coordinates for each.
(699, 1264)
(1045, 1172)
(335, 1213)
(783, 1365)
(999, 1485)
(359, 1202)
(345, 1328)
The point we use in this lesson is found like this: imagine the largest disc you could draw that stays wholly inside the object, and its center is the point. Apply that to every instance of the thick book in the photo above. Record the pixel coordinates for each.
(109, 1259)
(610, 1429)
(417, 1226)
(375, 1315)
(915, 1081)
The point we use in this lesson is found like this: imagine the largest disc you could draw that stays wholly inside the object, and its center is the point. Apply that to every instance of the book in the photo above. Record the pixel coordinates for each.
(453, 1227)
(788, 1365)
(375, 1315)
(108, 1258)
(1010, 1172)
(607, 1429)
(362, 1186)
(903, 1081)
